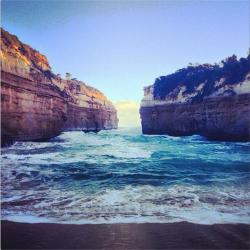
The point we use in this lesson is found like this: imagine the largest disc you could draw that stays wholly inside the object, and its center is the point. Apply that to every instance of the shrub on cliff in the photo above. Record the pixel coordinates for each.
(231, 69)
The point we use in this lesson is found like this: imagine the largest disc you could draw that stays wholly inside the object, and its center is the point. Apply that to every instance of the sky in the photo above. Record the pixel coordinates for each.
(120, 46)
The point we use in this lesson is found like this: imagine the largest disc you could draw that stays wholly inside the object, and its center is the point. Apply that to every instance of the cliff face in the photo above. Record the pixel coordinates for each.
(209, 100)
(37, 104)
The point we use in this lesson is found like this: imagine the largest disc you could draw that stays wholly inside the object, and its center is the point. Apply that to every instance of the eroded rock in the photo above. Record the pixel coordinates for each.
(36, 104)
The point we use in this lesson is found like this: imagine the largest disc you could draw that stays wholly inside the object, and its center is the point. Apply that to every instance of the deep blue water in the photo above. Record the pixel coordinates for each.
(124, 176)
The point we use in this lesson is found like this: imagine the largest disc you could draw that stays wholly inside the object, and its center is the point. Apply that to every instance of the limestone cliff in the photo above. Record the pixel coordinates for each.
(209, 100)
(36, 104)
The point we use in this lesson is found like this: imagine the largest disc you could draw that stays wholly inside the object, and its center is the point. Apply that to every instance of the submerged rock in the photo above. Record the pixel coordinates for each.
(36, 104)
(209, 100)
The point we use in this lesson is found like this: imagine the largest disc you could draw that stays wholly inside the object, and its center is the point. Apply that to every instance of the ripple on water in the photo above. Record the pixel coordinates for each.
(123, 176)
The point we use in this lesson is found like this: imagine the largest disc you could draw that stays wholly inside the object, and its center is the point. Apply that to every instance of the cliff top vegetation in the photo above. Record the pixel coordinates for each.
(231, 69)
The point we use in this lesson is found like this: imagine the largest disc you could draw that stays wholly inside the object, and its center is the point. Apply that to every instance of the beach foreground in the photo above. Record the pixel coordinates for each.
(182, 235)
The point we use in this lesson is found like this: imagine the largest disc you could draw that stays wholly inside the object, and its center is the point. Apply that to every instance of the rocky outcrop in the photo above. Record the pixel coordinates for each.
(207, 100)
(36, 104)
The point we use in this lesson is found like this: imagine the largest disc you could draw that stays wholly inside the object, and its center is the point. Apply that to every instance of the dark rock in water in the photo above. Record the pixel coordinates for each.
(91, 130)
(218, 109)
(6, 140)
(37, 104)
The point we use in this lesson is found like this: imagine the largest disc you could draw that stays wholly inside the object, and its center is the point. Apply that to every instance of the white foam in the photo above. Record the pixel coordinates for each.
(27, 219)
(139, 205)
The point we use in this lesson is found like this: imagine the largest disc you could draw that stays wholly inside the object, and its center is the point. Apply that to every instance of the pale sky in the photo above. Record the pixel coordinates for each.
(121, 46)
(128, 113)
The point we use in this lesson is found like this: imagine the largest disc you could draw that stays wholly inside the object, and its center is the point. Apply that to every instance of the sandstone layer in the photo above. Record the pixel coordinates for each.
(36, 104)
(216, 109)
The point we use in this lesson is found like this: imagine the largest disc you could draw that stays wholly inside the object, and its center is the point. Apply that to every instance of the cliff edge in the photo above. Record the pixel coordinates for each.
(37, 104)
(208, 100)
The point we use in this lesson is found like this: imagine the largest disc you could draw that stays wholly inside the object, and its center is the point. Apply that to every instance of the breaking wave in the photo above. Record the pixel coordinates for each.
(123, 176)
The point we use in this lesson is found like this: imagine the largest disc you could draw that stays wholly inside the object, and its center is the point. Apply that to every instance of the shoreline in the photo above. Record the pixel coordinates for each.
(178, 235)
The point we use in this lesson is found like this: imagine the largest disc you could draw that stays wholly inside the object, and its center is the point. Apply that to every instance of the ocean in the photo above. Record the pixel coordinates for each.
(122, 176)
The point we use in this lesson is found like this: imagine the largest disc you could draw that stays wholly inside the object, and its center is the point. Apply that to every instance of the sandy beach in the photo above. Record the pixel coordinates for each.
(182, 235)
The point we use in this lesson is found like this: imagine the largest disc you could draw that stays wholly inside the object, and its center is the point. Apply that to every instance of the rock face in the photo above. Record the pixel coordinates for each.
(37, 104)
(207, 100)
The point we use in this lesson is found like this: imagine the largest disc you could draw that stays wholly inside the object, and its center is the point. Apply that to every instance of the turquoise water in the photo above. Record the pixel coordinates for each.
(124, 176)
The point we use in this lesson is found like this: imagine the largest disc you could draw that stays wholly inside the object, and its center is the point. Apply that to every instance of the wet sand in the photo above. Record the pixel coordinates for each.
(180, 235)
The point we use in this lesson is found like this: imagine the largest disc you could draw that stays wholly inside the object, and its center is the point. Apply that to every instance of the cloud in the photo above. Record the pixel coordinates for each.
(128, 113)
